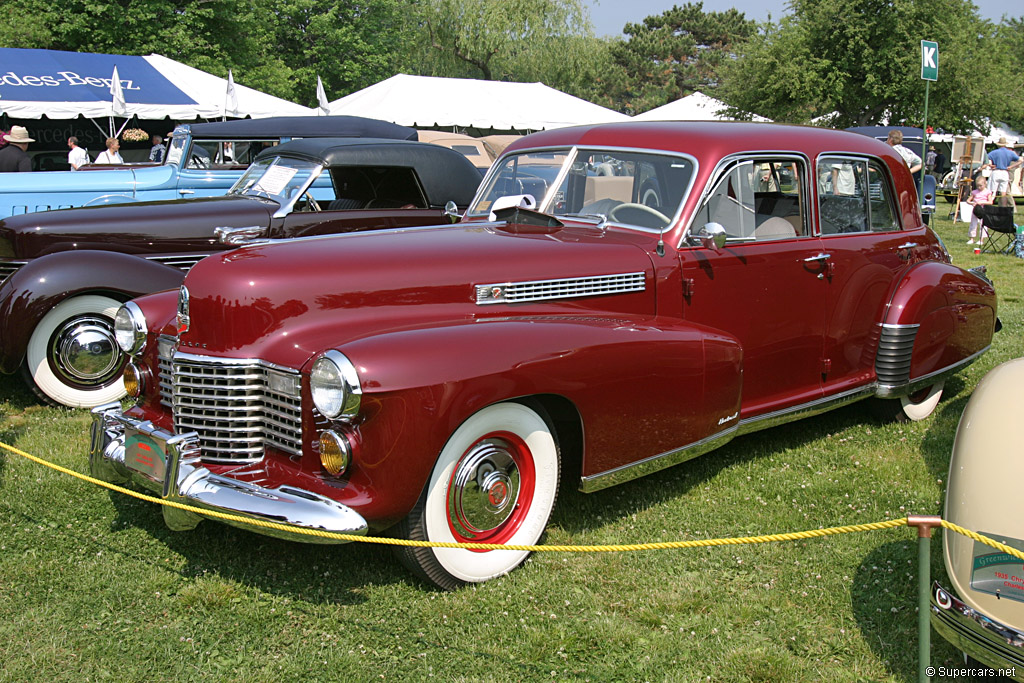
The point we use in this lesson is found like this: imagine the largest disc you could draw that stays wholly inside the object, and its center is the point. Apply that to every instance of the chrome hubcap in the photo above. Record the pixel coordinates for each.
(484, 489)
(84, 350)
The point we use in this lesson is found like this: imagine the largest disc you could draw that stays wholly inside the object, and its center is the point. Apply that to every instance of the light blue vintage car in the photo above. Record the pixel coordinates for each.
(203, 160)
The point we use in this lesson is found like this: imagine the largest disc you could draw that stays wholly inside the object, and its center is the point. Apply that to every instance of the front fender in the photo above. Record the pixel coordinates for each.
(640, 389)
(983, 495)
(943, 315)
(46, 281)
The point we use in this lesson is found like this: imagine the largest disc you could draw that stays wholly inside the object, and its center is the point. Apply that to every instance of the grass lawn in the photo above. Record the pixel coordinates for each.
(93, 587)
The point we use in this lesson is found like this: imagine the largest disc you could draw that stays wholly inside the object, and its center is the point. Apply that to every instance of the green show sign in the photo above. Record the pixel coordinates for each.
(929, 60)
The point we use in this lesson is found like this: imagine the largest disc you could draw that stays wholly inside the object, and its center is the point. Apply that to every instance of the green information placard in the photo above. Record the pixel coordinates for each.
(929, 60)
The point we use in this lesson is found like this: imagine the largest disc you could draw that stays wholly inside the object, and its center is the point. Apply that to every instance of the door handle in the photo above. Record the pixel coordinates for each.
(819, 257)
(907, 245)
(186, 191)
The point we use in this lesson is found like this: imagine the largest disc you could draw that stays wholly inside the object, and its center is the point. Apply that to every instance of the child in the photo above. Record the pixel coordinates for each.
(982, 195)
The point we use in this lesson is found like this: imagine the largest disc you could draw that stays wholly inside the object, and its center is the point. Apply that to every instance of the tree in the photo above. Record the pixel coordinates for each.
(674, 54)
(858, 61)
(520, 40)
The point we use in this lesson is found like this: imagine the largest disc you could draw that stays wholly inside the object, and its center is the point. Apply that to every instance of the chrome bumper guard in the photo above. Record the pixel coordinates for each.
(993, 644)
(173, 470)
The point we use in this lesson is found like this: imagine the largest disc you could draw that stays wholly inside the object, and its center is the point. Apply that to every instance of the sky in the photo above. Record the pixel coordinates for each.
(609, 16)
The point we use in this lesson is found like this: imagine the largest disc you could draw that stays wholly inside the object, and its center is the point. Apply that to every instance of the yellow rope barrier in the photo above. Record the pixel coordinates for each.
(663, 545)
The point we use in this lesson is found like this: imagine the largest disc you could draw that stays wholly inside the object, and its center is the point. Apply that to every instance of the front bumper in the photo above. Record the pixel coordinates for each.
(993, 644)
(169, 464)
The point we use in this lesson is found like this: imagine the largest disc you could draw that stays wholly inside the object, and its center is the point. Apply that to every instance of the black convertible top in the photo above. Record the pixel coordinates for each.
(303, 126)
(444, 173)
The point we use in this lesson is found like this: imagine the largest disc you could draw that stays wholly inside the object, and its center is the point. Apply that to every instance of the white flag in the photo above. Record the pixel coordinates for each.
(321, 98)
(231, 97)
(117, 102)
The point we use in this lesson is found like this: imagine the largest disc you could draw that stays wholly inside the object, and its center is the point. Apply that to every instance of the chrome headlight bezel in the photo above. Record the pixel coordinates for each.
(334, 386)
(130, 328)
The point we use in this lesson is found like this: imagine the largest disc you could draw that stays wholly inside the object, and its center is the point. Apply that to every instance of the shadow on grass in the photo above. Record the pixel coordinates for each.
(303, 571)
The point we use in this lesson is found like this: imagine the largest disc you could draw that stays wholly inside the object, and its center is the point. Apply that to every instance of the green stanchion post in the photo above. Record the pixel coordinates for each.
(924, 524)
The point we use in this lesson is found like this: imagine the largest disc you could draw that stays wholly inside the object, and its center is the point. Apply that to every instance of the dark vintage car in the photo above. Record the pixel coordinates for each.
(202, 160)
(679, 284)
(65, 273)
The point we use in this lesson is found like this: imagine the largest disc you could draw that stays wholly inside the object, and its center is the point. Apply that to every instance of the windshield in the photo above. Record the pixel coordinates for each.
(639, 189)
(278, 178)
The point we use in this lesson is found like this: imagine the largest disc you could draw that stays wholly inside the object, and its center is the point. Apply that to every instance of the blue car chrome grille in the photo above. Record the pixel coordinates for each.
(232, 406)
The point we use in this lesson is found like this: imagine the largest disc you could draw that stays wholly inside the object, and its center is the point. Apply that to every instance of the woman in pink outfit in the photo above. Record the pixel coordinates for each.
(980, 195)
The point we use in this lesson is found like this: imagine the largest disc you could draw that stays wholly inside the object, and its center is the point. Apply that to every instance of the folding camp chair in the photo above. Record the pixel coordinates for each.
(998, 221)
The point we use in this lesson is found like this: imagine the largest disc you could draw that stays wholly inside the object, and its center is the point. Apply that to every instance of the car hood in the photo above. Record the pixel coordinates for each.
(139, 228)
(285, 302)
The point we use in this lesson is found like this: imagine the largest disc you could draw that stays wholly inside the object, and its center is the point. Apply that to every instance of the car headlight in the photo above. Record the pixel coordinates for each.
(130, 328)
(334, 385)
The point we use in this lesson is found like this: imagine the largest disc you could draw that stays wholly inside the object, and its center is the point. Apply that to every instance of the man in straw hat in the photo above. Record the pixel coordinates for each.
(1003, 160)
(14, 155)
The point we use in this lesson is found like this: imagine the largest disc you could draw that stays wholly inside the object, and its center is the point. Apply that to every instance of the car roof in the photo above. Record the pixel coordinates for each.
(303, 126)
(706, 139)
(444, 173)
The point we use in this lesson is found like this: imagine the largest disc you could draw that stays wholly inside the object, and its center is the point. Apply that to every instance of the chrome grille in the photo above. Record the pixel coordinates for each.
(9, 268)
(892, 363)
(232, 405)
(564, 288)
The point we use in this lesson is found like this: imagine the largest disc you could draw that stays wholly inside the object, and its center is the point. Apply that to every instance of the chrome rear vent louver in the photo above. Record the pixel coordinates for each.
(563, 288)
(892, 363)
(238, 407)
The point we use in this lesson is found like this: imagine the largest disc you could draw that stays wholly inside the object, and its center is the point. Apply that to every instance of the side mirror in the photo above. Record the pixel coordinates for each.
(238, 236)
(451, 210)
(712, 236)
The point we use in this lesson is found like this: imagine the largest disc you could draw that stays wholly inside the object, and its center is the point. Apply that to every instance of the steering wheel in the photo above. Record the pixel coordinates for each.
(621, 214)
(311, 202)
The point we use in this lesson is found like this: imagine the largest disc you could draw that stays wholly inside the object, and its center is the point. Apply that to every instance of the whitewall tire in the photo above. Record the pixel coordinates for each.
(72, 358)
(495, 481)
(922, 404)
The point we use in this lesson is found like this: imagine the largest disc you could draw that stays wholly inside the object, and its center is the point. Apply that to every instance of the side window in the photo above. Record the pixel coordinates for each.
(758, 200)
(853, 196)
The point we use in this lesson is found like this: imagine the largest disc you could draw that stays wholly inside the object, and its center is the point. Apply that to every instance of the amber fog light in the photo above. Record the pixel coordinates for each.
(335, 453)
(133, 380)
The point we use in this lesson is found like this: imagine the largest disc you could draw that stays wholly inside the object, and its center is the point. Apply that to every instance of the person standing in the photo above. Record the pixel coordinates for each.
(14, 155)
(1003, 160)
(940, 166)
(157, 152)
(929, 160)
(77, 157)
(895, 140)
(980, 195)
(110, 155)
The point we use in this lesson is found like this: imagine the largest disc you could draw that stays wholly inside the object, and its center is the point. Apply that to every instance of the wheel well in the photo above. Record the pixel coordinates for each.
(567, 424)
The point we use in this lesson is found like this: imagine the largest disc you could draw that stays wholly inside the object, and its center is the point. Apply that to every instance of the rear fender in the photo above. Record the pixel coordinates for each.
(640, 390)
(943, 316)
(44, 282)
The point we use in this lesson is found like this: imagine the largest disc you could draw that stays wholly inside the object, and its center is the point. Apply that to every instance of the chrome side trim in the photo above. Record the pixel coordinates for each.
(809, 409)
(561, 288)
(925, 381)
(182, 262)
(990, 642)
(186, 481)
(625, 473)
(620, 475)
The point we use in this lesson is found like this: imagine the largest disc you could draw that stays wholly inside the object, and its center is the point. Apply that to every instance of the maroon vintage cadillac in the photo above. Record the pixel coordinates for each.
(618, 299)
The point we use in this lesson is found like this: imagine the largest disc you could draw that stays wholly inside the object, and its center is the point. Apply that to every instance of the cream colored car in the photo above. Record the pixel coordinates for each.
(983, 614)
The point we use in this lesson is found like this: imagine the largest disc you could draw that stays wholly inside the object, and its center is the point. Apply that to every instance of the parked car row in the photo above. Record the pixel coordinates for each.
(615, 300)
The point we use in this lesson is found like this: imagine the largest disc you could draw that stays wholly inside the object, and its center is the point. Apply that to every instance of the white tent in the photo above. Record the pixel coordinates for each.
(62, 85)
(429, 101)
(995, 132)
(694, 107)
